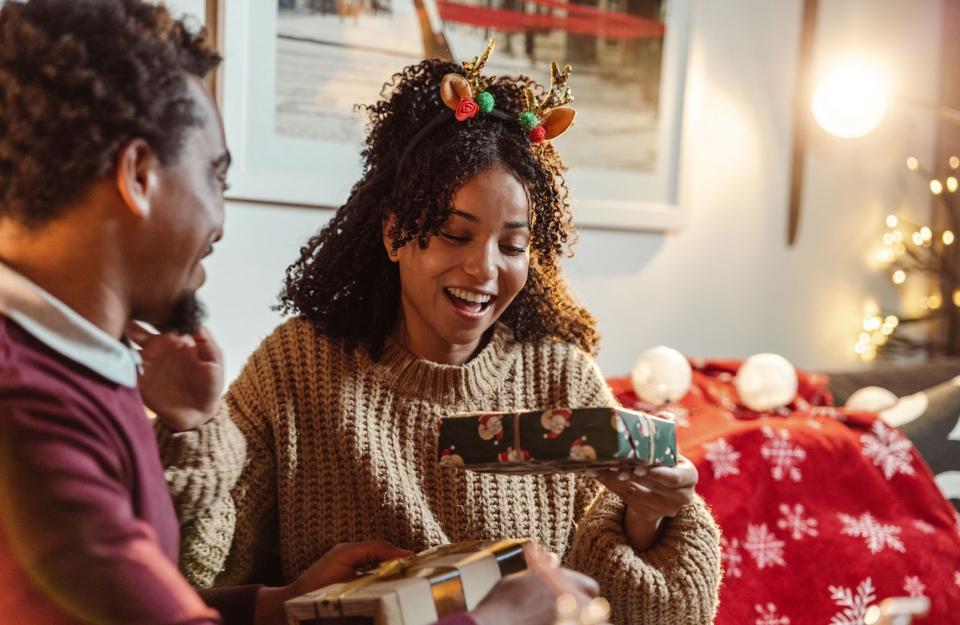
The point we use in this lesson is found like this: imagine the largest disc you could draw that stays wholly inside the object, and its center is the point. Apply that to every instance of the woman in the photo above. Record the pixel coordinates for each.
(435, 289)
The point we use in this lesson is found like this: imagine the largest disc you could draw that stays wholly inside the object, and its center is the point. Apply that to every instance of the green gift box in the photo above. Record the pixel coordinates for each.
(556, 440)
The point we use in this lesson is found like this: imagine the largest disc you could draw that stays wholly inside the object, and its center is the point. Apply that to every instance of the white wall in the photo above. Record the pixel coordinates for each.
(726, 285)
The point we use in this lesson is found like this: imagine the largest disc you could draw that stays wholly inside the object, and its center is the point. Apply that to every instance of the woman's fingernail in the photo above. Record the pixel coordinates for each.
(623, 476)
(640, 471)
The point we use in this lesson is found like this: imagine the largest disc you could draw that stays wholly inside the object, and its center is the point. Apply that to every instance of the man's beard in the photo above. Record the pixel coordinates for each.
(186, 315)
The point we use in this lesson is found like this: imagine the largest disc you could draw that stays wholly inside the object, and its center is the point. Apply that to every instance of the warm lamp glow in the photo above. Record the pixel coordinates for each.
(952, 184)
(899, 276)
(936, 187)
(954, 162)
(892, 221)
(851, 100)
(948, 237)
(912, 163)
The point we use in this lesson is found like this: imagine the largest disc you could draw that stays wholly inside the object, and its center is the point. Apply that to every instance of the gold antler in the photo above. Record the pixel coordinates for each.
(559, 94)
(477, 82)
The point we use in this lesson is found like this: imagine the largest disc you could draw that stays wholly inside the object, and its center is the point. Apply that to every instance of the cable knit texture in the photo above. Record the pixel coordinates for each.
(319, 445)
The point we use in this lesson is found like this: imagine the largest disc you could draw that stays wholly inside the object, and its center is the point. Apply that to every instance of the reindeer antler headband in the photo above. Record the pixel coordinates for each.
(467, 96)
(542, 119)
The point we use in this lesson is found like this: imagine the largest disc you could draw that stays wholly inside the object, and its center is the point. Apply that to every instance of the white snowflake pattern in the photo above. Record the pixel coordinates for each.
(764, 546)
(888, 449)
(923, 526)
(794, 521)
(854, 605)
(731, 557)
(782, 454)
(913, 586)
(878, 535)
(768, 615)
(829, 412)
(722, 457)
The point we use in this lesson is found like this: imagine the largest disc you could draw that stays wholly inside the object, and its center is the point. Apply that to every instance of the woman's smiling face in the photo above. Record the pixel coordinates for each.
(454, 290)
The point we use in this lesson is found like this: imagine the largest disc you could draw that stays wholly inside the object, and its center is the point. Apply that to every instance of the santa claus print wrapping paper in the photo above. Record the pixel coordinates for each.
(823, 511)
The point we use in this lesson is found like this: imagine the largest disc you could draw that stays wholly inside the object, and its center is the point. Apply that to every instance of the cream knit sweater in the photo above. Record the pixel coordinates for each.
(317, 445)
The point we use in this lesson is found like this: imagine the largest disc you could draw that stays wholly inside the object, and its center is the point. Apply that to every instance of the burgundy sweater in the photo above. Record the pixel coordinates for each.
(88, 532)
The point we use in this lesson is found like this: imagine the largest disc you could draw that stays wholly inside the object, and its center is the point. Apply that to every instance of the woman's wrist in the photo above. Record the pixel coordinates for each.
(641, 531)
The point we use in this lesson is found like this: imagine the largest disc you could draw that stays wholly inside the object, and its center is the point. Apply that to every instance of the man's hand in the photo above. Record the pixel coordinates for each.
(650, 495)
(182, 376)
(344, 562)
(541, 595)
(340, 564)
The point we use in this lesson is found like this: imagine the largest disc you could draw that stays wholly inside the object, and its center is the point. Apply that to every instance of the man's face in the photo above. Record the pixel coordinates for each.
(185, 220)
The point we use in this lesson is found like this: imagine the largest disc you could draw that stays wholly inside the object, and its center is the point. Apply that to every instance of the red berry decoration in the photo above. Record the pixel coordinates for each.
(537, 135)
(467, 109)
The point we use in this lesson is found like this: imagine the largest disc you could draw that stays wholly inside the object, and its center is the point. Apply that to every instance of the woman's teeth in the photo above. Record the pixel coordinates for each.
(469, 296)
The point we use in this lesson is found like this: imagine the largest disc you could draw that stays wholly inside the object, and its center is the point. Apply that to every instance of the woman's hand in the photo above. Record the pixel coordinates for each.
(341, 564)
(651, 495)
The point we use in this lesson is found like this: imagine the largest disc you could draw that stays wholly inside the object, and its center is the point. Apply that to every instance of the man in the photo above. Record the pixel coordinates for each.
(112, 171)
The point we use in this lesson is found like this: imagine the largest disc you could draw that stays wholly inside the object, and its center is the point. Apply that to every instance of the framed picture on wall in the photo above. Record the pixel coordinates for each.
(296, 69)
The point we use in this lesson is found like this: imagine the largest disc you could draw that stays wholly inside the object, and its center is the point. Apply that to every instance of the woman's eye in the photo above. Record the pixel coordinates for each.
(513, 250)
(453, 237)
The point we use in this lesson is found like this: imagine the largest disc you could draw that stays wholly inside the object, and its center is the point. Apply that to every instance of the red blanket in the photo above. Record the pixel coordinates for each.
(824, 511)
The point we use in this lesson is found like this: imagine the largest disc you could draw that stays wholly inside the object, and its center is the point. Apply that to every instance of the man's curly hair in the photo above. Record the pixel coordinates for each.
(344, 281)
(79, 79)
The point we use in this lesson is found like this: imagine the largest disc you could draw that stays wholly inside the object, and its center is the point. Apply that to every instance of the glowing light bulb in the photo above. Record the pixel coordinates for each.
(936, 187)
(948, 237)
(912, 164)
(926, 233)
(851, 100)
(956, 298)
(952, 184)
(892, 320)
(899, 276)
(917, 239)
(954, 162)
(892, 221)
(935, 301)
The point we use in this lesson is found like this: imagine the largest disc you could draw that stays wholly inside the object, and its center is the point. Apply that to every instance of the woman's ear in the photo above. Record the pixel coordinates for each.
(453, 89)
(388, 223)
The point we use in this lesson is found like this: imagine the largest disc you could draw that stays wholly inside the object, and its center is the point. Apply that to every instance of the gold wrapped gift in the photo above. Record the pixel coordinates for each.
(417, 590)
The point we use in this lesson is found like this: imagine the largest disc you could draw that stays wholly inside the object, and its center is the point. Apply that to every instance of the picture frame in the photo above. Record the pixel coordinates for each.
(293, 170)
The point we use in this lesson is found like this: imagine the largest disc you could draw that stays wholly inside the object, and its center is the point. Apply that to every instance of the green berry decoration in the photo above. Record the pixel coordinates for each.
(528, 121)
(485, 101)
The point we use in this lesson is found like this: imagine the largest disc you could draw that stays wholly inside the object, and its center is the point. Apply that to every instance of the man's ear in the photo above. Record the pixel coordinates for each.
(388, 223)
(137, 176)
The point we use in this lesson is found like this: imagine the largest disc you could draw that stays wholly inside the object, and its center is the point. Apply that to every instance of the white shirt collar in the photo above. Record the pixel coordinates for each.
(63, 330)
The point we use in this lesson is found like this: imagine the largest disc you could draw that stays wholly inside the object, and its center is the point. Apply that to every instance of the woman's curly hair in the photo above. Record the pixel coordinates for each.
(78, 79)
(344, 281)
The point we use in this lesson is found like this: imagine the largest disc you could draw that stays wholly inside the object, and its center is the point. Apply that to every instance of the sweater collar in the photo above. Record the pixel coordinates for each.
(65, 331)
(471, 381)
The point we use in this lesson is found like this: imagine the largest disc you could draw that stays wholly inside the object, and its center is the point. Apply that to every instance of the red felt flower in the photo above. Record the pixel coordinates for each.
(537, 135)
(466, 109)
